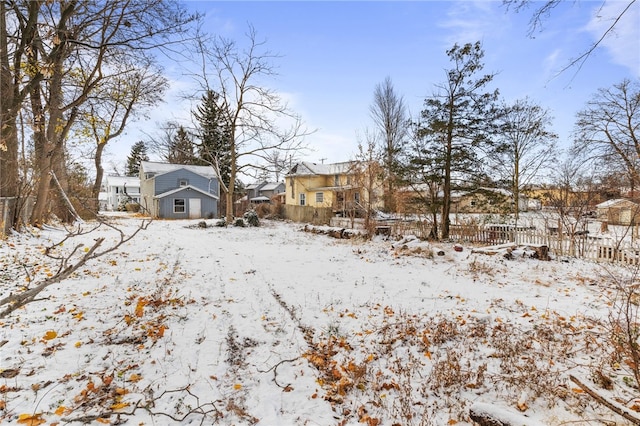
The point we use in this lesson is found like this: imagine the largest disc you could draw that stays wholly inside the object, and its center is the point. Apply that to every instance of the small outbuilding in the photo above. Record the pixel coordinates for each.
(619, 211)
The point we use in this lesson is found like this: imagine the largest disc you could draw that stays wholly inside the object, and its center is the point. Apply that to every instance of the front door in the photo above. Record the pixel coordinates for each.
(194, 208)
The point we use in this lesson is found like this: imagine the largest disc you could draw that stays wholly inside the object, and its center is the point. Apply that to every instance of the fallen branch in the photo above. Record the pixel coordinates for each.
(489, 415)
(16, 301)
(617, 408)
(66, 267)
(275, 372)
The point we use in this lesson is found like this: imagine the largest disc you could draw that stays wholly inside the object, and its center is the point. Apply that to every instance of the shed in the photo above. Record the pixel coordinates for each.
(619, 211)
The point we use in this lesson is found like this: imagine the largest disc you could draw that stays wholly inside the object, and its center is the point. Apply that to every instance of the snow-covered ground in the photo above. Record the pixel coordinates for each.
(275, 326)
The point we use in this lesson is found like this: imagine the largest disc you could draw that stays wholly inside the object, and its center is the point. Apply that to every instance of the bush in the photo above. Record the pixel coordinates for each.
(222, 222)
(239, 222)
(252, 218)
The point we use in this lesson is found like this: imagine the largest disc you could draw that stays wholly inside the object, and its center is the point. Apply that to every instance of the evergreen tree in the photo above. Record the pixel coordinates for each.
(215, 135)
(458, 121)
(181, 149)
(138, 154)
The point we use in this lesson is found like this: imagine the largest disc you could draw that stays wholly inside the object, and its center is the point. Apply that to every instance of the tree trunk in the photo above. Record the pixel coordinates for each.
(59, 196)
(446, 197)
(8, 132)
(97, 183)
(232, 182)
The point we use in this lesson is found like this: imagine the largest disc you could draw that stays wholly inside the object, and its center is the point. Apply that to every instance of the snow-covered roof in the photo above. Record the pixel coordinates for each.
(306, 168)
(270, 186)
(161, 168)
(615, 202)
(254, 185)
(129, 181)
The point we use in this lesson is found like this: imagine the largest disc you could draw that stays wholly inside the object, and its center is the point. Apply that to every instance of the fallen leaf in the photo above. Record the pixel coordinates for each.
(49, 335)
(237, 386)
(31, 419)
(119, 405)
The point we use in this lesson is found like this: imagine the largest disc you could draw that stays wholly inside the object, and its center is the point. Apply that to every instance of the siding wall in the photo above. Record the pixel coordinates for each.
(208, 205)
(162, 183)
(168, 181)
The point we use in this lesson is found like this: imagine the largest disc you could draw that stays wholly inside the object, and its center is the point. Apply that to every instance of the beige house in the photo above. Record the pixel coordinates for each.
(619, 212)
(339, 186)
(483, 200)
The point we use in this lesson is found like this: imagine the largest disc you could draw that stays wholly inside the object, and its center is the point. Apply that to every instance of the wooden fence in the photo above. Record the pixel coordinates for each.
(582, 246)
(307, 214)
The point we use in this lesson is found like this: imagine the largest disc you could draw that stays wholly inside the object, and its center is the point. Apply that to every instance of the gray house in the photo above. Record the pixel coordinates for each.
(263, 191)
(178, 191)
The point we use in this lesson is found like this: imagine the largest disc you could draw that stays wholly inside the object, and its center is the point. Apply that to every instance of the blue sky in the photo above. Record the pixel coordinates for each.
(334, 53)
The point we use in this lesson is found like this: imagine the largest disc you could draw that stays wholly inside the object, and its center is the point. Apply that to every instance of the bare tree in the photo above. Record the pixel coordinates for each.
(279, 162)
(254, 111)
(608, 130)
(131, 88)
(524, 146)
(572, 195)
(44, 44)
(368, 178)
(389, 113)
(544, 9)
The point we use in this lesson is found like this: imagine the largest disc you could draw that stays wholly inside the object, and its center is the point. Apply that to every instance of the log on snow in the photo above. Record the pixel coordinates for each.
(620, 409)
(490, 415)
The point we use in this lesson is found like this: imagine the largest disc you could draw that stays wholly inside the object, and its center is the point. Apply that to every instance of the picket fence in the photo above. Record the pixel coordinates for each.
(584, 246)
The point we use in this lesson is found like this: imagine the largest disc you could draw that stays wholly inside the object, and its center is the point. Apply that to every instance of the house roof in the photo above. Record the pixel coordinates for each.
(270, 186)
(306, 168)
(161, 168)
(255, 185)
(616, 202)
(122, 181)
(187, 188)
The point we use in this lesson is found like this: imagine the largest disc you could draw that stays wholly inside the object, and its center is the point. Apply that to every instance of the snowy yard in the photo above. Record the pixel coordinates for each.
(275, 326)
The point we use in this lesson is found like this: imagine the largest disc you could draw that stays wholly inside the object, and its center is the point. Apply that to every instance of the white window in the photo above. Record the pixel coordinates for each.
(319, 197)
(303, 199)
(179, 205)
(183, 182)
(356, 197)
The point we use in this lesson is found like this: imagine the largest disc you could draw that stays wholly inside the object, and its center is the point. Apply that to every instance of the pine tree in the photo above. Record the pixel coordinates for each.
(181, 150)
(138, 154)
(457, 123)
(215, 135)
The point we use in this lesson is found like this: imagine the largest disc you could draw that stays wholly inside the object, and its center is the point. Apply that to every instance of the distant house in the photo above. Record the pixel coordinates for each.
(179, 191)
(263, 192)
(120, 190)
(479, 201)
(326, 185)
(488, 201)
(619, 211)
